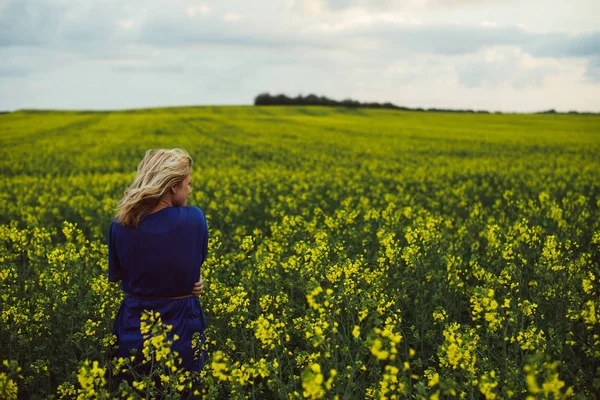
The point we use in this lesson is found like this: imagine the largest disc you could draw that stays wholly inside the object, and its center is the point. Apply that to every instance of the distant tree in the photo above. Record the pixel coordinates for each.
(314, 100)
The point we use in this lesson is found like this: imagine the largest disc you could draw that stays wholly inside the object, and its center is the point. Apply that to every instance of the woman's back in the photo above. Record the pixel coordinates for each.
(161, 257)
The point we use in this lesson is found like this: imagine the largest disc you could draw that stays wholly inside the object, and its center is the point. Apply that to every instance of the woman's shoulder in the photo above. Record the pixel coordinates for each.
(196, 214)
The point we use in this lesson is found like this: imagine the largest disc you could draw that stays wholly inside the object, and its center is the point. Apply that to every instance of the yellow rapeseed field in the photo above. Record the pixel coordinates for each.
(353, 253)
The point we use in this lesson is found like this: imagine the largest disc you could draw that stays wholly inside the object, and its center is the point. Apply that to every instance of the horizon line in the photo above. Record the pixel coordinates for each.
(400, 108)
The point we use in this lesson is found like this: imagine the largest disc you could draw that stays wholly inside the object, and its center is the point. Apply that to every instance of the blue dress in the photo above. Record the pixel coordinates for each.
(161, 257)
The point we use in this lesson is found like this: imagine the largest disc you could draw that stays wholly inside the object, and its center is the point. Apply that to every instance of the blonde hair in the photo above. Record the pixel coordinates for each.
(156, 173)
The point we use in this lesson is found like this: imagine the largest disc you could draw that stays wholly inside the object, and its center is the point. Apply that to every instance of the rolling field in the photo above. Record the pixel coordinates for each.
(353, 253)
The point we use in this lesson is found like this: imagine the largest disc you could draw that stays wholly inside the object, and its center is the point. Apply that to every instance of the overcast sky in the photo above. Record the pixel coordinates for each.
(497, 55)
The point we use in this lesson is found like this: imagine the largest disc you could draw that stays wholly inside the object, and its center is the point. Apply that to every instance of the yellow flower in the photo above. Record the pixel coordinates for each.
(219, 366)
(8, 387)
(458, 348)
(362, 315)
(90, 379)
(486, 386)
(139, 385)
(434, 380)
(312, 382)
(376, 350)
(332, 375)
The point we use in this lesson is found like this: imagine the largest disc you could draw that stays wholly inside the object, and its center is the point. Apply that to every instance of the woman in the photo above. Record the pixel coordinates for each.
(157, 245)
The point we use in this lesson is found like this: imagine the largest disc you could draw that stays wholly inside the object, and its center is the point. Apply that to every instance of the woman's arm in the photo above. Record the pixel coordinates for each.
(204, 238)
(115, 272)
(198, 286)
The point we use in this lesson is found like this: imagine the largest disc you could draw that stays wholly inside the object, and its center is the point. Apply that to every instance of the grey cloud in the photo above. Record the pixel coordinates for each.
(460, 3)
(81, 27)
(161, 69)
(151, 36)
(87, 27)
(28, 23)
(180, 30)
(56, 23)
(385, 5)
(592, 72)
(563, 45)
(21, 61)
(444, 39)
(336, 5)
(494, 73)
(12, 72)
(461, 39)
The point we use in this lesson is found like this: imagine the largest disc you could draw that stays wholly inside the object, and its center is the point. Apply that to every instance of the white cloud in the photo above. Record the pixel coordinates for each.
(231, 17)
(202, 9)
(313, 7)
(489, 24)
(127, 23)
(592, 71)
(357, 17)
(506, 65)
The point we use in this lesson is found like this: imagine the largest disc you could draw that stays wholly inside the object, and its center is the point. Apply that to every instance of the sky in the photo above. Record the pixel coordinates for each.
(495, 55)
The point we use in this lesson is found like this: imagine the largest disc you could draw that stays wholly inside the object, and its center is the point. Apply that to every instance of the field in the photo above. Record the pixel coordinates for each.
(353, 253)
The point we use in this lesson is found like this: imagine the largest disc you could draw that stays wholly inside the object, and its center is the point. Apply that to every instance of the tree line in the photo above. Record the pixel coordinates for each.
(266, 99)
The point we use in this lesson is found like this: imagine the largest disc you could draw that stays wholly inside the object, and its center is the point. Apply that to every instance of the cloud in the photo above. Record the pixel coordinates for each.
(454, 39)
(151, 69)
(41, 23)
(372, 50)
(562, 45)
(21, 61)
(202, 9)
(498, 66)
(24, 23)
(14, 72)
(391, 5)
(357, 19)
(127, 23)
(231, 17)
(592, 72)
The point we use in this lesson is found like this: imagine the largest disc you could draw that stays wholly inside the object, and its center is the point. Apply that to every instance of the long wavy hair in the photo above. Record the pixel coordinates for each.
(156, 174)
